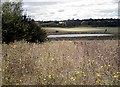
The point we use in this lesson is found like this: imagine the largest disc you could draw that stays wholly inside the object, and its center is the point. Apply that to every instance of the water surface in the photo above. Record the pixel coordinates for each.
(78, 35)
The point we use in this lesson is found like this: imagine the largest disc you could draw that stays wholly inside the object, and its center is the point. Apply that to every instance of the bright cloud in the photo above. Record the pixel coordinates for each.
(68, 9)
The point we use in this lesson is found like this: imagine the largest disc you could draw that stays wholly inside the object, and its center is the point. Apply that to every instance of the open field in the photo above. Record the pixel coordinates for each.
(112, 30)
(73, 62)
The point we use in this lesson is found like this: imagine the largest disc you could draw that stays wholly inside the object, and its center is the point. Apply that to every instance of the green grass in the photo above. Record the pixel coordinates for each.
(73, 62)
(52, 30)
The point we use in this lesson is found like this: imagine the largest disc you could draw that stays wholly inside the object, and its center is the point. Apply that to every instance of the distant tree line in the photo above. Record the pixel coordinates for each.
(16, 26)
(82, 23)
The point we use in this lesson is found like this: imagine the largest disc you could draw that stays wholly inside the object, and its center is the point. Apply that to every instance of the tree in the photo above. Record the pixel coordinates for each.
(18, 27)
(35, 33)
(12, 23)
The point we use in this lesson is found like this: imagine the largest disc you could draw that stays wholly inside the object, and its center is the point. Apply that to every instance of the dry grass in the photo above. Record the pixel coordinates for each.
(78, 62)
(95, 30)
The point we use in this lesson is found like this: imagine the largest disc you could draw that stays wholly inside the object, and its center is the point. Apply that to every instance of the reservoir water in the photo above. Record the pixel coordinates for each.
(78, 35)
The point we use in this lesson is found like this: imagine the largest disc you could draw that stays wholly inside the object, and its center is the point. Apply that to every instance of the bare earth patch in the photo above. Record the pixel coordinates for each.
(75, 62)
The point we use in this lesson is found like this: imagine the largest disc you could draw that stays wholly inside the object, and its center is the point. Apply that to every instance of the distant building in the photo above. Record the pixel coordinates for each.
(61, 22)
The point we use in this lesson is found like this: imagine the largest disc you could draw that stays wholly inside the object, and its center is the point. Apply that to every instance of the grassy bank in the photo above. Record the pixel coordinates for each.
(76, 62)
(82, 30)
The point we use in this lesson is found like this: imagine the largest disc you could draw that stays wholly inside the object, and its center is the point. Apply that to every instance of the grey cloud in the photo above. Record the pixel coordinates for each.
(100, 3)
(60, 10)
(108, 11)
(52, 13)
(75, 14)
(40, 14)
(81, 5)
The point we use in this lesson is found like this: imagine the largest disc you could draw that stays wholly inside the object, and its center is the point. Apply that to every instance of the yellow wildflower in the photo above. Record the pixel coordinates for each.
(98, 81)
(14, 46)
(118, 72)
(109, 65)
(20, 59)
(77, 72)
(52, 59)
(72, 78)
(114, 73)
(83, 72)
(50, 76)
(115, 76)
(65, 82)
(101, 66)
(20, 80)
(98, 74)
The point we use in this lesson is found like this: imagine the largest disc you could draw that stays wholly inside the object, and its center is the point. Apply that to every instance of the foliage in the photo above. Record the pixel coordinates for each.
(82, 23)
(35, 33)
(18, 27)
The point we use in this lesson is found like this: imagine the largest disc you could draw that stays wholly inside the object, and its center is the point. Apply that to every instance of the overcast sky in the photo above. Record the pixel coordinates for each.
(68, 9)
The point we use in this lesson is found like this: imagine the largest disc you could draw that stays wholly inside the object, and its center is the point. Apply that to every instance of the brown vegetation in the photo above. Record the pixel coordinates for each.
(76, 62)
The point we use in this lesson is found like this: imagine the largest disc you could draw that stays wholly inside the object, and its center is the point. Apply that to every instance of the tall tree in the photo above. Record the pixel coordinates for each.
(16, 26)
(11, 21)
